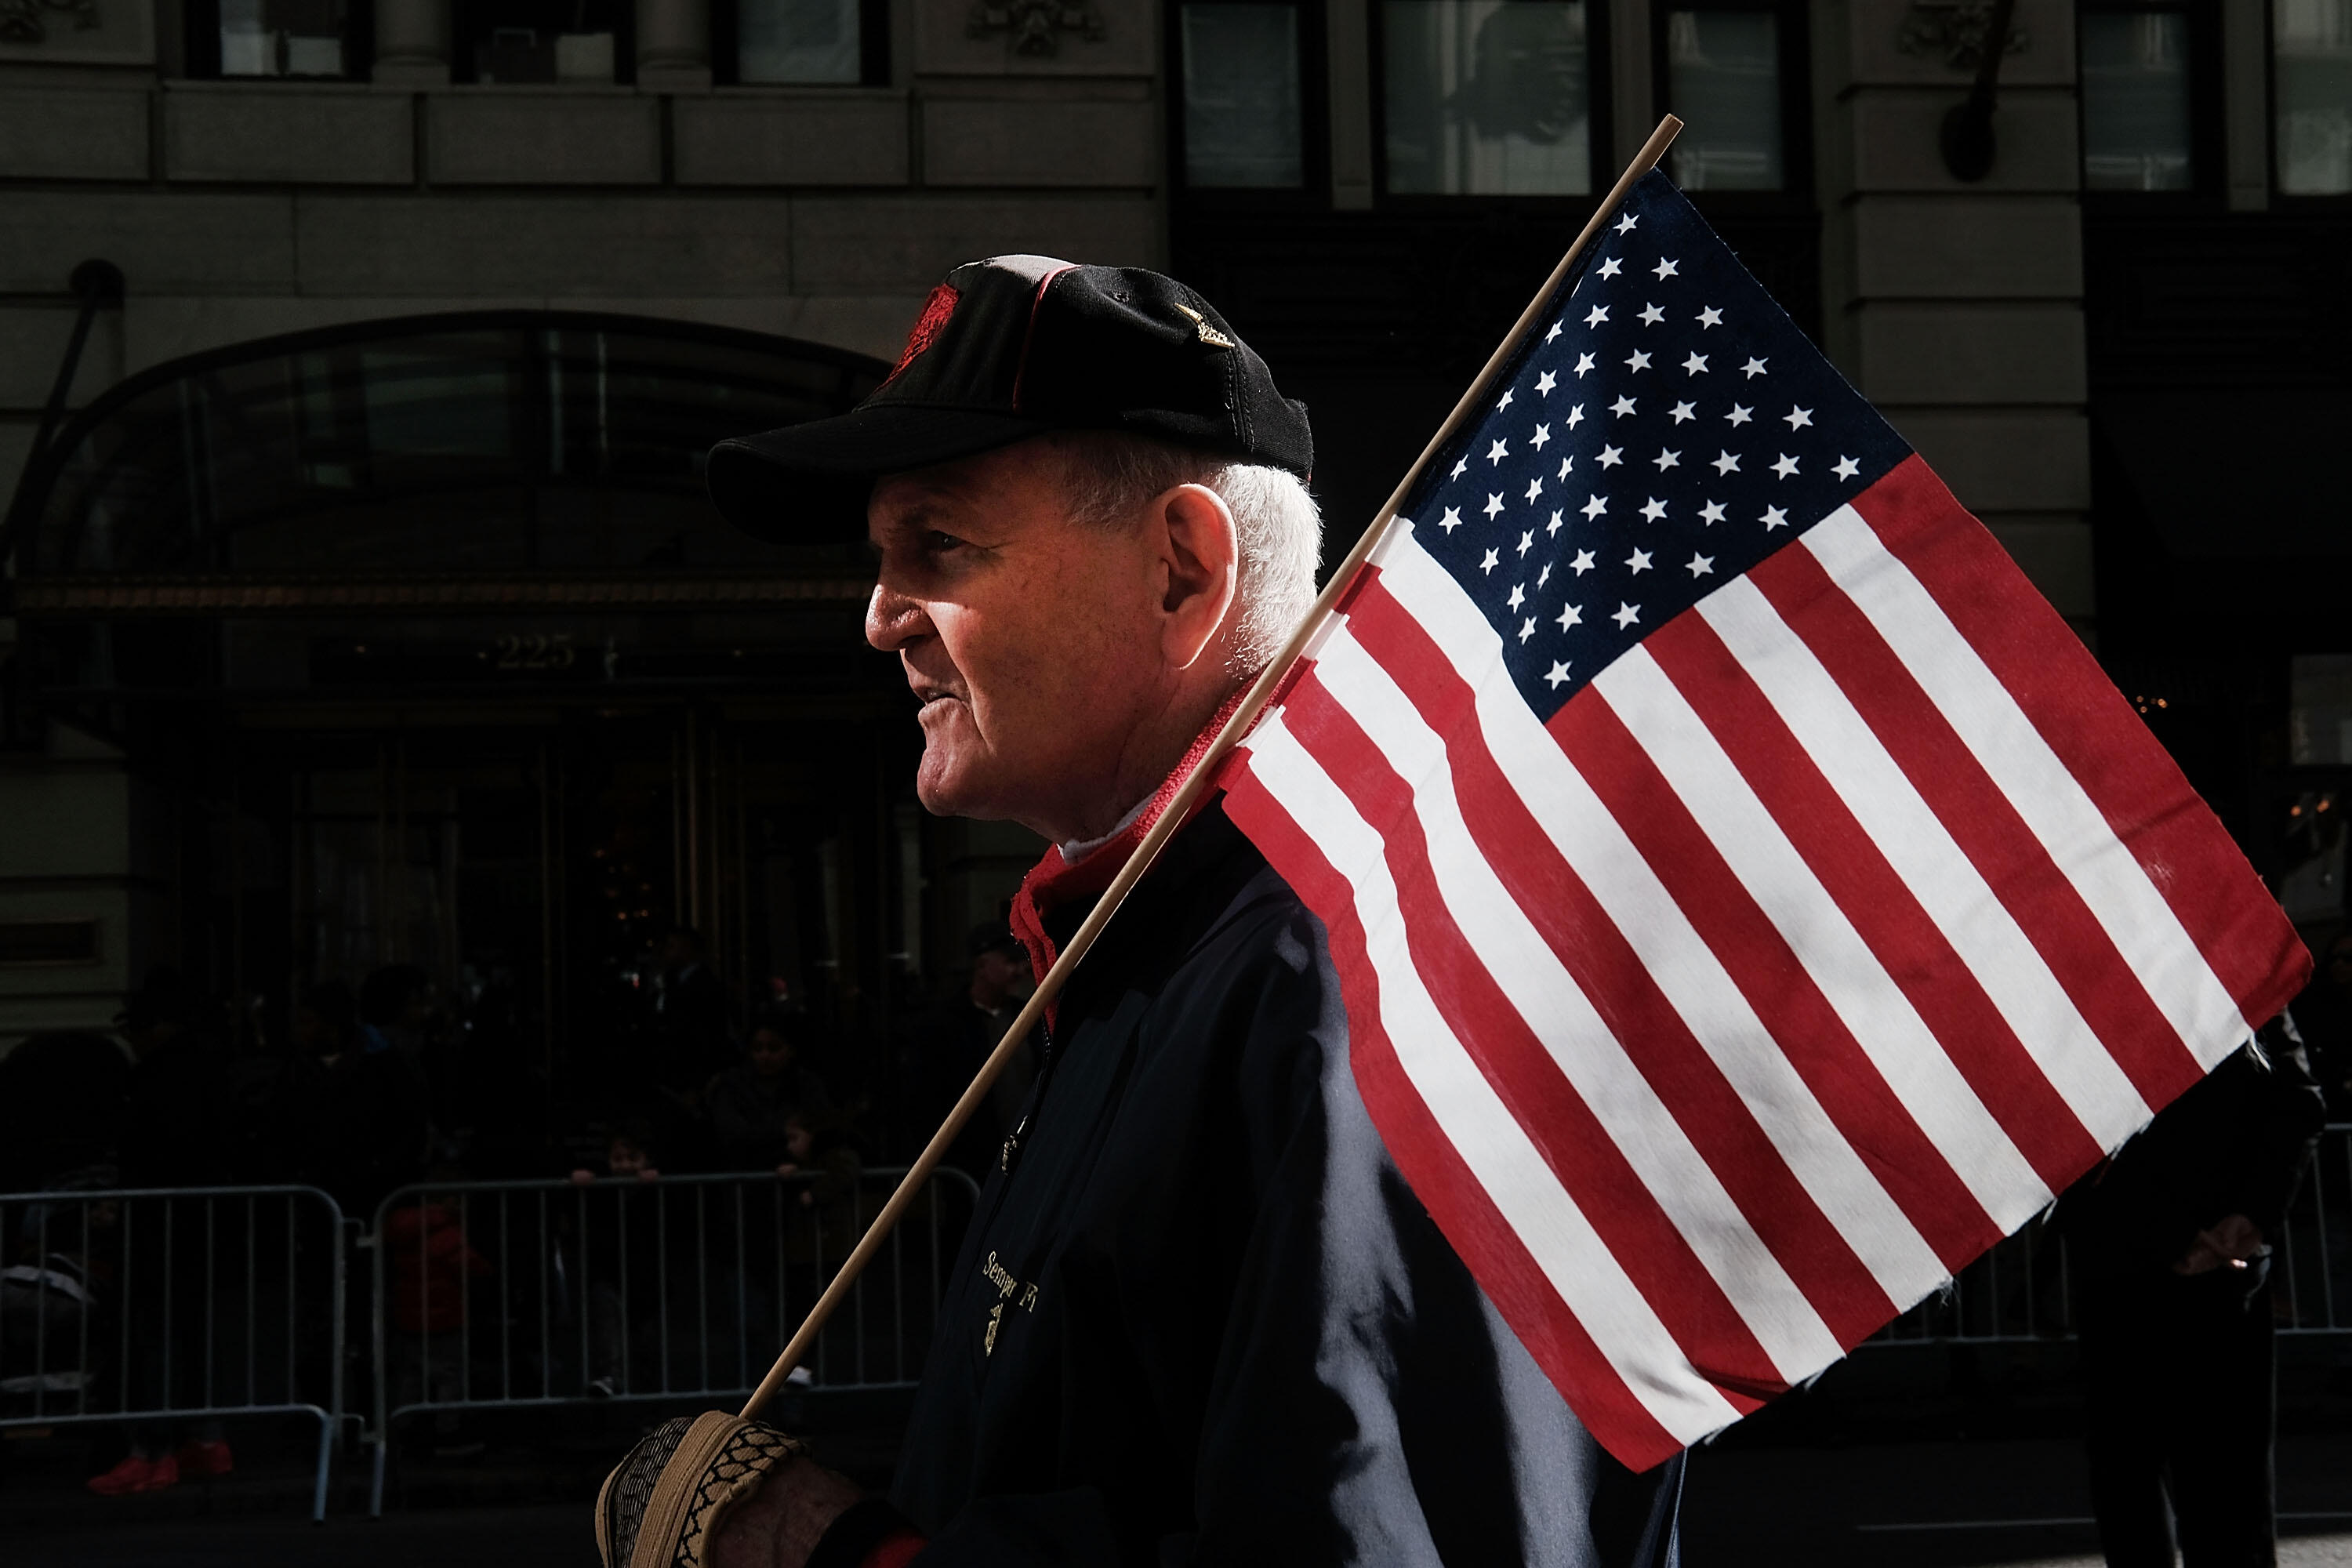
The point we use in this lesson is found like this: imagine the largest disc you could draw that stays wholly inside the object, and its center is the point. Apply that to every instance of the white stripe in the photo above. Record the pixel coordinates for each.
(1679, 960)
(1508, 1167)
(1557, 1011)
(1874, 1009)
(1907, 831)
(2053, 802)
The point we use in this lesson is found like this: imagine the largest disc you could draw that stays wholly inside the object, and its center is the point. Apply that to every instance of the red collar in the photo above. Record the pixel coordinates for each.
(1055, 881)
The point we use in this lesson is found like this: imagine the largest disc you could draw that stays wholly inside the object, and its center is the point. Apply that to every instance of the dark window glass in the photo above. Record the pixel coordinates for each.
(2312, 76)
(283, 38)
(1723, 78)
(1487, 96)
(540, 40)
(1242, 111)
(811, 41)
(2136, 121)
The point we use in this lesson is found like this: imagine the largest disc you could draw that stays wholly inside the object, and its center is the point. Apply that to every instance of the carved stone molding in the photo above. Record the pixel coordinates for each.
(1032, 27)
(23, 22)
(1954, 31)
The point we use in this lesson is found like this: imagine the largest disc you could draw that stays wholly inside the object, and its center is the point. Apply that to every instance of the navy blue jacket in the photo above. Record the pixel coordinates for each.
(1201, 1318)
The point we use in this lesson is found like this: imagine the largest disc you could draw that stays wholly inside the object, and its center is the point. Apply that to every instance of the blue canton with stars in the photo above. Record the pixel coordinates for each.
(1670, 429)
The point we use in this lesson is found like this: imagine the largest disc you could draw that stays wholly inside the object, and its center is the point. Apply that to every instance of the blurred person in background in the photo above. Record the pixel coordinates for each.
(751, 1102)
(2170, 1243)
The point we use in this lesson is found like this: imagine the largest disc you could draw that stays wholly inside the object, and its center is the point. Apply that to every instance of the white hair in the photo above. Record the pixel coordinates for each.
(1278, 527)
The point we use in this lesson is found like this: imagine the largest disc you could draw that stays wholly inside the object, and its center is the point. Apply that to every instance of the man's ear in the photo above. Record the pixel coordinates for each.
(1203, 562)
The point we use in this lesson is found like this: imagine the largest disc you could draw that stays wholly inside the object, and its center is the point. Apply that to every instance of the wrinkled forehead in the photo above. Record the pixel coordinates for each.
(1019, 480)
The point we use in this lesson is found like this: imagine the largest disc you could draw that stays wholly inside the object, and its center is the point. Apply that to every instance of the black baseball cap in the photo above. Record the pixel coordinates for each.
(1006, 349)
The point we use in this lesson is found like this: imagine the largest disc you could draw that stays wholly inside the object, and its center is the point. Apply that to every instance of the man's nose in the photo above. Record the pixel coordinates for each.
(893, 619)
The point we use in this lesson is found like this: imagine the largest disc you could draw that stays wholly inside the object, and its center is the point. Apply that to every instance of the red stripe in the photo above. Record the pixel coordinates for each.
(1765, 968)
(2133, 780)
(1606, 968)
(1973, 809)
(1941, 988)
(1577, 1148)
(1454, 1197)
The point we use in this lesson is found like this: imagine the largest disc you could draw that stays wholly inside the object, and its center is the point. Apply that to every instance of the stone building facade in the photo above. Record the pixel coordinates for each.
(806, 168)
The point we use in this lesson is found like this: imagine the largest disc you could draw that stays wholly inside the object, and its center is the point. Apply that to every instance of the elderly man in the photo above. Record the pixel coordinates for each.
(1199, 1317)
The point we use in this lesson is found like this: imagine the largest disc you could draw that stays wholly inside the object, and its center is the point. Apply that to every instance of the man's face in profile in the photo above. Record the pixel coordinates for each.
(1027, 638)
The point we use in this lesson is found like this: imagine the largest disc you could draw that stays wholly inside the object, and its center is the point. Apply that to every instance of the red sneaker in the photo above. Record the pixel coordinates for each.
(208, 1458)
(137, 1475)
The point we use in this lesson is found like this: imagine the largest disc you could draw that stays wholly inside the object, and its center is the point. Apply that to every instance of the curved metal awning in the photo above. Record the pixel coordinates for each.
(489, 462)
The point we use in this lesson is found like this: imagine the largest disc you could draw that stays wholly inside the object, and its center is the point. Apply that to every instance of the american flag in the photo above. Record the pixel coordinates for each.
(1751, 901)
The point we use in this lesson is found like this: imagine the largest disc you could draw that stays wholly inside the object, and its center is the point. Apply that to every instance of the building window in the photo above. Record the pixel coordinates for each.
(1244, 118)
(279, 38)
(2139, 124)
(1486, 98)
(2312, 85)
(814, 41)
(1723, 79)
(541, 41)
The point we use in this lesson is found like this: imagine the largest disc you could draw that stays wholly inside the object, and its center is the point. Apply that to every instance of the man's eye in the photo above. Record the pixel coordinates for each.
(937, 543)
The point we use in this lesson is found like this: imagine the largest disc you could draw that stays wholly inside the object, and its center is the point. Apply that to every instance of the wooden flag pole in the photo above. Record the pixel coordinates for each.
(1192, 791)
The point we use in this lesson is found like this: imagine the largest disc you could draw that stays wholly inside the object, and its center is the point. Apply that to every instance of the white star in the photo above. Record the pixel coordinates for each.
(1459, 464)
(1526, 628)
(1567, 463)
(1664, 269)
(1553, 333)
(1847, 468)
(1576, 416)
(1626, 615)
(1544, 384)
(1683, 411)
(1610, 268)
(1695, 366)
(1580, 565)
(1557, 674)
(1709, 316)
(1773, 517)
(1752, 369)
(1654, 509)
(1534, 489)
(1611, 457)
(1494, 505)
(1542, 435)
(1637, 360)
(1594, 506)
(1573, 615)
(1551, 528)
(1499, 453)
(1506, 400)
(1451, 519)
(1638, 561)
(1492, 560)
(1795, 418)
(1518, 596)
(1651, 315)
(1543, 576)
(1740, 414)
(1666, 459)
(1786, 466)
(1583, 363)
(1701, 565)
(1712, 512)
(1626, 224)
(1598, 314)
(1622, 407)
(1726, 463)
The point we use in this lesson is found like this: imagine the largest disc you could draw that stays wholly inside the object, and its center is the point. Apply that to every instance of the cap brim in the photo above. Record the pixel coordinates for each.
(807, 484)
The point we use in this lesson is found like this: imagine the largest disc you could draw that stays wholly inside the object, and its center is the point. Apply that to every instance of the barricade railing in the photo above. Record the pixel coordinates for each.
(160, 1310)
(490, 1295)
(2021, 1291)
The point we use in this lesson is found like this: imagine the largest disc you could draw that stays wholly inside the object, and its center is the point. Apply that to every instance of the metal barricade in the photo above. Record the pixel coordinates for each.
(2019, 1292)
(518, 1294)
(155, 1307)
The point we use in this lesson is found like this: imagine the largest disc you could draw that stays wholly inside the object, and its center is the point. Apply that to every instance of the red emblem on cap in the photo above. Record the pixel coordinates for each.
(928, 327)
